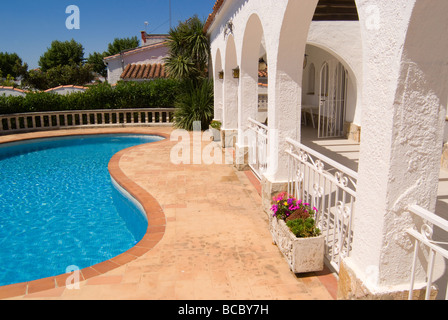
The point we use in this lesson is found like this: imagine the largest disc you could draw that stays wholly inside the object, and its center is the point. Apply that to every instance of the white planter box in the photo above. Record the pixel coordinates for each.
(302, 254)
(216, 134)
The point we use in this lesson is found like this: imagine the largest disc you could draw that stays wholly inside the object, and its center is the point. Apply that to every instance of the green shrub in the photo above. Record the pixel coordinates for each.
(194, 103)
(125, 95)
(303, 228)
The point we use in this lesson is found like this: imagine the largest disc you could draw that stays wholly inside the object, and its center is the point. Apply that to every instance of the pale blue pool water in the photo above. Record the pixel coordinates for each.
(59, 207)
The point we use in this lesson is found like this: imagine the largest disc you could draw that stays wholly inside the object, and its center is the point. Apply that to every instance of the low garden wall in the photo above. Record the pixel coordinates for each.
(40, 121)
(127, 103)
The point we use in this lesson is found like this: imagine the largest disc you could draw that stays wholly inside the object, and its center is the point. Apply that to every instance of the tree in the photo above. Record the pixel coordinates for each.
(62, 54)
(194, 104)
(11, 64)
(59, 76)
(118, 45)
(189, 50)
(96, 60)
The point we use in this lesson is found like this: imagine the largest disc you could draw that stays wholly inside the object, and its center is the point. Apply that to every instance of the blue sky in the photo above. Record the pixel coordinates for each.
(28, 27)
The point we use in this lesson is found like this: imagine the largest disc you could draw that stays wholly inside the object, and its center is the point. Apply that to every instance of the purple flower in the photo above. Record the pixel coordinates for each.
(274, 208)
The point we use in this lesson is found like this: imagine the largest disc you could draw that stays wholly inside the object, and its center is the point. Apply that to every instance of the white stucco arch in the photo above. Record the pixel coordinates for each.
(218, 86)
(248, 87)
(230, 88)
(285, 83)
(317, 53)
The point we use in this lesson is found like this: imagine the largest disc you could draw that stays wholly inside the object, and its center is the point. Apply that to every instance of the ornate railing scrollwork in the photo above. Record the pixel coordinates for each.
(424, 240)
(331, 189)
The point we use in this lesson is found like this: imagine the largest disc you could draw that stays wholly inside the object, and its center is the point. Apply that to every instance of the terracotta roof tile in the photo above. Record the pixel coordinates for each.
(211, 17)
(143, 71)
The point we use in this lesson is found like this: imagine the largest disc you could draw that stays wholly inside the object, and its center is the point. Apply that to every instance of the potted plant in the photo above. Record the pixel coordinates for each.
(215, 128)
(294, 231)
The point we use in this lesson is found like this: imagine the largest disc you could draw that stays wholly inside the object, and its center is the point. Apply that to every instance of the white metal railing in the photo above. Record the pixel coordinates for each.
(258, 147)
(424, 239)
(331, 188)
(35, 121)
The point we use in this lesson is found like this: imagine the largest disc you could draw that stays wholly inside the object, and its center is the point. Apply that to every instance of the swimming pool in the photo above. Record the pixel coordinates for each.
(59, 206)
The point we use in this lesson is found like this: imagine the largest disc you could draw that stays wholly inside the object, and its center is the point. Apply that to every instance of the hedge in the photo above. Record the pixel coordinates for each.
(159, 93)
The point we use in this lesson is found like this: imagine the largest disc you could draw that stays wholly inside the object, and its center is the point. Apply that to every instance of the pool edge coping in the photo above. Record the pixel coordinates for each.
(154, 213)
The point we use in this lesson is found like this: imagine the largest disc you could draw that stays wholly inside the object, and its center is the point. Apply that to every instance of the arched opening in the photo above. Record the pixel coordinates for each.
(330, 103)
(253, 97)
(218, 88)
(315, 82)
(253, 51)
(230, 92)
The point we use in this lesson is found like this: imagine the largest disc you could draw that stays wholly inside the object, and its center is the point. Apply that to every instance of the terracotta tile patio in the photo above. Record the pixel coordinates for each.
(207, 238)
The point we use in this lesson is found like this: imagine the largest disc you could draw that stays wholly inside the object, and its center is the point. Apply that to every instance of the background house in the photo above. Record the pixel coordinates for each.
(140, 64)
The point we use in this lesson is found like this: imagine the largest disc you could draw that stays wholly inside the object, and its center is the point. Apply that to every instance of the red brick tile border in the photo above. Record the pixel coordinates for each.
(154, 212)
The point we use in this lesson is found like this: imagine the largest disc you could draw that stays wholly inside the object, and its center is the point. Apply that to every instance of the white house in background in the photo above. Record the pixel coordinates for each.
(139, 64)
(11, 91)
(64, 90)
(374, 71)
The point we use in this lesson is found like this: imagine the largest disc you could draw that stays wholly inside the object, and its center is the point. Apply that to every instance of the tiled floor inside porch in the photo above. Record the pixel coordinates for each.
(215, 244)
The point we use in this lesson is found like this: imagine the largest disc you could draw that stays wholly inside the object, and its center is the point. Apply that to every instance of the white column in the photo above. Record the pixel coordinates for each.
(404, 92)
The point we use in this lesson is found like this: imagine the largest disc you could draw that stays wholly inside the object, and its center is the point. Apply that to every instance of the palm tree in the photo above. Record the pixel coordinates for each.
(194, 104)
(189, 50)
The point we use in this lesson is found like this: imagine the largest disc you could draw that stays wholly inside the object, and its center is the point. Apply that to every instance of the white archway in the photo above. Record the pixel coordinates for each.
(230, 92)
(218, 86)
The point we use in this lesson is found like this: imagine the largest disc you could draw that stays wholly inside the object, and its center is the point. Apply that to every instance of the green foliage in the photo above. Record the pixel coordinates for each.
(303, 228)
(8, 82)
(187, 61)
(216, 125)
(118, 45)
(194, 103)
(189, 50)
(122, 44)
(96, 61)
(59, 76)
(125, 95)
(11, 64)
(62, 54)
(36, 79)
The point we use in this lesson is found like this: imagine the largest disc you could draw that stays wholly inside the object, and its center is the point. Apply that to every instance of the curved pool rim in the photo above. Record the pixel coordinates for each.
(154, 213)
